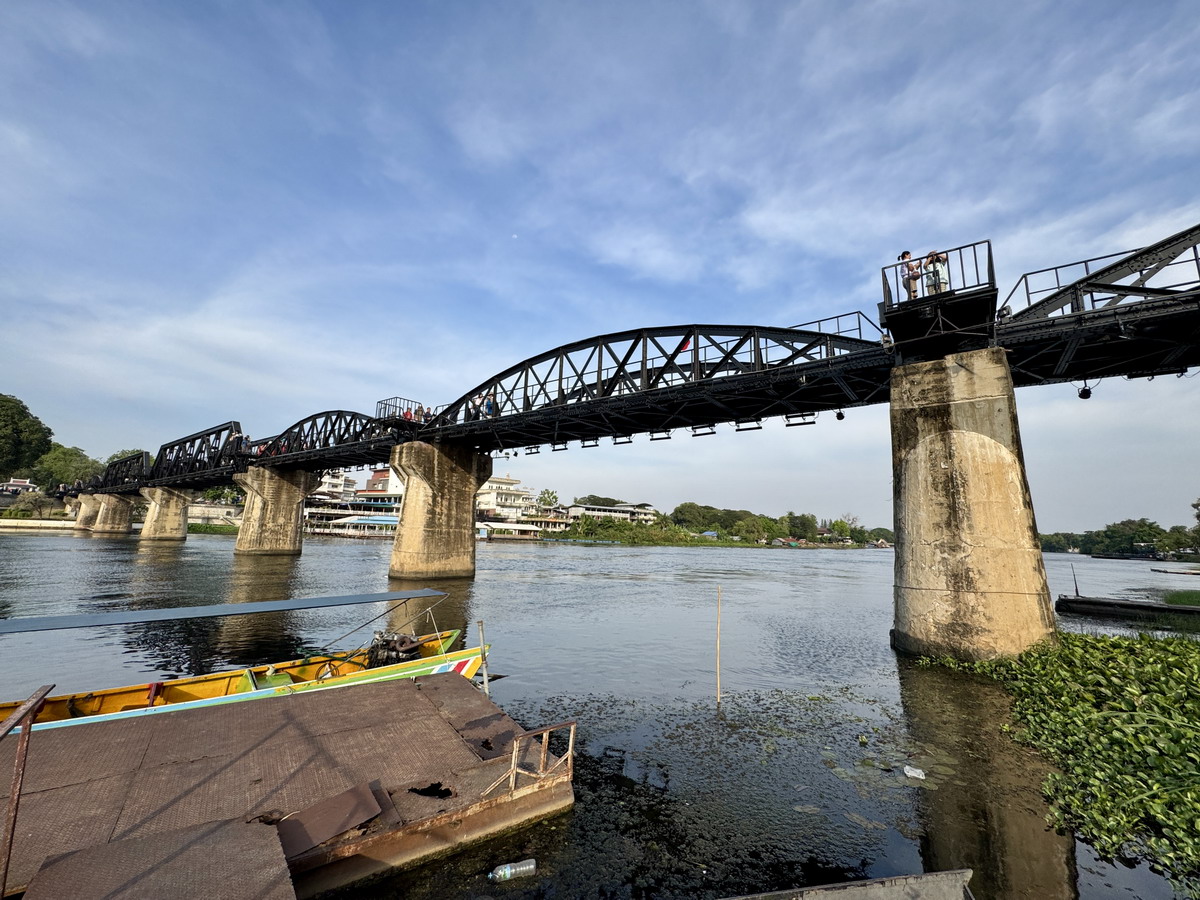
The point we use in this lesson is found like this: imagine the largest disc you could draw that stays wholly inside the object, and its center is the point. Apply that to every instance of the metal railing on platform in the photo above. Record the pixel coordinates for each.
(563, 765)
(23, 715)
(960, 268)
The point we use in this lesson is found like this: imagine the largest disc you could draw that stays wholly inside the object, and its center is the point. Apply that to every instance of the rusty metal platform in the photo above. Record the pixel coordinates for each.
(431, 751)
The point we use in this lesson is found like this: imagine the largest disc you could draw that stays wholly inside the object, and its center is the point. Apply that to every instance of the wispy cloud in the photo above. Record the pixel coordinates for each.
(272, 209)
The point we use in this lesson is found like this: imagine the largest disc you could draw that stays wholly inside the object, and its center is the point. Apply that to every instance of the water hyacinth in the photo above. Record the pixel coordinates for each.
(1120, 718)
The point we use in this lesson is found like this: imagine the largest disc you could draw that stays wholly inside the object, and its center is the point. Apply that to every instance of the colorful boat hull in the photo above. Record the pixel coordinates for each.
(86, 704)
(465, 662)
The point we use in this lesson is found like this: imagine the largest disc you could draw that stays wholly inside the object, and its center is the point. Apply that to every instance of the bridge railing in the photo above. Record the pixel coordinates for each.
(964, 268)
(852, 324)
(1154, 278)
(403, 408)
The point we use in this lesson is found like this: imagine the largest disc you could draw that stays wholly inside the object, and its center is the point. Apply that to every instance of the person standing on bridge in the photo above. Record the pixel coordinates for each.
(911, 273)
(937, 277)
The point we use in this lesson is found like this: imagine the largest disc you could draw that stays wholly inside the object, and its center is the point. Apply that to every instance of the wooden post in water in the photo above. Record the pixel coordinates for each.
(718, 646)
(483, 658)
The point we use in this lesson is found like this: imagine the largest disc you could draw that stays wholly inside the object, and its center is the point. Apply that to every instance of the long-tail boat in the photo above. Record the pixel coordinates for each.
(390, 656)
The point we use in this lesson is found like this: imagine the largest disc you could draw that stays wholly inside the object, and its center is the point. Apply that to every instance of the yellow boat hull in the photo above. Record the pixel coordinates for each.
(220, 684)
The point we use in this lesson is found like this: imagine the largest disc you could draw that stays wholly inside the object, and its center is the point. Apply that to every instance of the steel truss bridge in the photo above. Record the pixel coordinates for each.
(1132, 314)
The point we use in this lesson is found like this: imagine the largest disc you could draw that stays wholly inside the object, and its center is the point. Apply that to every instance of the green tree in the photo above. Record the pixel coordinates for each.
(23, 437)
(1055, 543)
(596, 500)
(63, 465)
(548, 499)
(121, 454)
(840, 528)
(882, 534)
(1124, 537)
(34, 501)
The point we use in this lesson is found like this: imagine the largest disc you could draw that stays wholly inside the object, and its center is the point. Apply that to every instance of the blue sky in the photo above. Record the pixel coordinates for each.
(259, 211)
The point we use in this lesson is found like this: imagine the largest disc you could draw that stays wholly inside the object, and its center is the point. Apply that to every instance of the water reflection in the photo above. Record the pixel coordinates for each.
(982, 807)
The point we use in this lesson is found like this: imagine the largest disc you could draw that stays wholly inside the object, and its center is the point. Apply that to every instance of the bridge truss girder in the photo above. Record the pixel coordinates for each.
(202, 460)
(331, 440)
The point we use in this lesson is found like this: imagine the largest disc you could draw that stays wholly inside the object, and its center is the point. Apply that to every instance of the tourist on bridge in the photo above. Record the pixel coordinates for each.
(911, 272)
(937, 276)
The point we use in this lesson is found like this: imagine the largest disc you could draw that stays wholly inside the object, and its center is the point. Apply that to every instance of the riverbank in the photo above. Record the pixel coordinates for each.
(7, 524)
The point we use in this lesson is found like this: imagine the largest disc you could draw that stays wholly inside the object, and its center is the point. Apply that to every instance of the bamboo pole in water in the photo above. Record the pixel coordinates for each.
(487, 690)
(718, 645)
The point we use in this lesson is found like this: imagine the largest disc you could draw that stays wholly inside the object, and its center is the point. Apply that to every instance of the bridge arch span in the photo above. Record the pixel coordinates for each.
(611, 367)
(336, 437)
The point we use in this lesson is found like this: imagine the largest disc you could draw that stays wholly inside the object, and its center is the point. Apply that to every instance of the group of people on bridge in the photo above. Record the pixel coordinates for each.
(936, 274)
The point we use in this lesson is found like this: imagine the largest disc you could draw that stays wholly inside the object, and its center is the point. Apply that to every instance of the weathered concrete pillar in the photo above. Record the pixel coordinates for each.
(970, 582)
(272, 522)
(166, 518)
(89, 506)
(115, 515)
(436, 534)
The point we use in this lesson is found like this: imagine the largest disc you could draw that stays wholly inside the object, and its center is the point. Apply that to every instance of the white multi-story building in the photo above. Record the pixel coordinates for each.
(628, 512)
(500, 498)
(335, 485)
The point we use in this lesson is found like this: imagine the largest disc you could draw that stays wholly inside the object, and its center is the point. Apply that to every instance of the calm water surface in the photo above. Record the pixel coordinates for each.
(796, 778)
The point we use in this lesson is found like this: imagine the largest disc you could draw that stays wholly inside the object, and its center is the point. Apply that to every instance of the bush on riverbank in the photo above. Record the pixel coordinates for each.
(1121, 718)
(662, 533)
(195, 528)
(1182, 598)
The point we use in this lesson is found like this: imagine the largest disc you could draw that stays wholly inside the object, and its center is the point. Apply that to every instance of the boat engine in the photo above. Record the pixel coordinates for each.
(389, 648)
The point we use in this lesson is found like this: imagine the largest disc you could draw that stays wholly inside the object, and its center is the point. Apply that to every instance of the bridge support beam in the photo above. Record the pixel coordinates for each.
(166, 518)
(435, 537)
(115, 515)
(272, 522)
(970, 582)
(89, 506)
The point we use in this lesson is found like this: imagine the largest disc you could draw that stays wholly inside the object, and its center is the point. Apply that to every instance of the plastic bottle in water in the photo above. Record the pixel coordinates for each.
(513, 870)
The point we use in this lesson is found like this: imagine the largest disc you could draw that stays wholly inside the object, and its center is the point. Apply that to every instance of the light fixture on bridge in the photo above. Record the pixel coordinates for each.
(800, 419)
(1085, 392)
(590, 442)
(619, 439)
(703, 430)
(748, 425)
(839, 415)
(558, 445)
(660, 435)
(533, 451)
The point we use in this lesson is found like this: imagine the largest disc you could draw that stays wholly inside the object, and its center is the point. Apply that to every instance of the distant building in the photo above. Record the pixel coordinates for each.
(500, 498)
(335, 485)
(627, 512)
(18, 486)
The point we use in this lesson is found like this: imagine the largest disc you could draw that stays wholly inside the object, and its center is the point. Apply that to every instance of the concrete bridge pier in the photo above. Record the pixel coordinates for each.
(166, 518)
(970, 582)
(115, 515)
(89, 506)
(435, 537)
(272, 522)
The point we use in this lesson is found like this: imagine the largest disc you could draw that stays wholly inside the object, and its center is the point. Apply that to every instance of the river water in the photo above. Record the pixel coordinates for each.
(795, 778)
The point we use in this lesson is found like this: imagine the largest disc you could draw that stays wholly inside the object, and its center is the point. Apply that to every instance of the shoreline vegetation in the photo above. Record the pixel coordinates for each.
(1120, 719)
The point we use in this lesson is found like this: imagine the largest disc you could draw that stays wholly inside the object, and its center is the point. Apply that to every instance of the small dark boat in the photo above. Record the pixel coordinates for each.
(1121, 609)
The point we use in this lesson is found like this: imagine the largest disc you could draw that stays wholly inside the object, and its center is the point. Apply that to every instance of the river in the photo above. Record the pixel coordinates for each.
(795, 778)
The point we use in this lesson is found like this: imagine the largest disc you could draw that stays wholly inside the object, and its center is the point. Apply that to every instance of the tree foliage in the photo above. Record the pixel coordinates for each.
(63, 465)
(597, 500)
(548, 499)
(122, 454)
(35, 502)
(23, 437)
